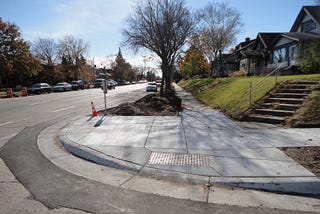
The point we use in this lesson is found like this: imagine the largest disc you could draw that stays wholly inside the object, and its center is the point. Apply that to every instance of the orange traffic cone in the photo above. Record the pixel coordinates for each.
(24, 92)
(94, 112)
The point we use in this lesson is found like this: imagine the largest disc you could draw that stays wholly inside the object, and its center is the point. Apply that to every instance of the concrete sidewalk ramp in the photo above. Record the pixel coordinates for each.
(205, 144)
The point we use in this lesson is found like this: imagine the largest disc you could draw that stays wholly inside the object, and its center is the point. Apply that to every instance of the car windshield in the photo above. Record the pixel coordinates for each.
(152, 83)
(36, 85)
(60, 84)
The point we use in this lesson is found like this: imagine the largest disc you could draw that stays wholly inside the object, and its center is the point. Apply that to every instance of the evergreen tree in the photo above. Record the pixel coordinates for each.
(121, 70)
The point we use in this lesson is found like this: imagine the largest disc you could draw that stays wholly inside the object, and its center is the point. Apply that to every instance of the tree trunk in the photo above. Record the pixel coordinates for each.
(166, 75)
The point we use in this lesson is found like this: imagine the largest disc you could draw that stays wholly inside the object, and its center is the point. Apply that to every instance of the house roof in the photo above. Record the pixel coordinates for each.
(228, 58)
(266, 39)
(313, 11)
(297, 36)
(245, 45)
(249, 53)
(300, 36)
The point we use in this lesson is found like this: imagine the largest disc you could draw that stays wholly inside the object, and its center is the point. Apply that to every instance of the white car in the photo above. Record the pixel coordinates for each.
(62, 86)
(151, 86)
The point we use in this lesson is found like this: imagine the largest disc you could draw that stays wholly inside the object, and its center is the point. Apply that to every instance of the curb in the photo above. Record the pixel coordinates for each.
(305, 186)
(50, 145)
(96, 156)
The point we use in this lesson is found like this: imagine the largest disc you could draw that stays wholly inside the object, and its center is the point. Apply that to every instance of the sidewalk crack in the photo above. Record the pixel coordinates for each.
(145, 142)
(184, 133)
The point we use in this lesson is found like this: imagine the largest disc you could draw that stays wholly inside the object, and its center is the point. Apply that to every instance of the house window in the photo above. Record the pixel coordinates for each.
(308, 26)
(293, 52)
(279, 55)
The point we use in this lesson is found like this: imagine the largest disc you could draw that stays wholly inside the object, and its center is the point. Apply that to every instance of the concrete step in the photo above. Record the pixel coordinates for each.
(281, 106)
(265, 119)
(298, 86)
(294, 90)
(274, 112)
(289, 95)
(307, 82)
(283, 103)
(284, 100)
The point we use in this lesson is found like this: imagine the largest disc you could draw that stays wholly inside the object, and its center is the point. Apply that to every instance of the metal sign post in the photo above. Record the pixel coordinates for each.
(105, 91)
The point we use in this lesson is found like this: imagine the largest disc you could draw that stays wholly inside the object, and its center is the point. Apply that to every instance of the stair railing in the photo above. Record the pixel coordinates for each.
(250, 89)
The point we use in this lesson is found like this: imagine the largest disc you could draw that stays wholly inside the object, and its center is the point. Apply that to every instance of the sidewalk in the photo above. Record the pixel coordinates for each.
(199, 146)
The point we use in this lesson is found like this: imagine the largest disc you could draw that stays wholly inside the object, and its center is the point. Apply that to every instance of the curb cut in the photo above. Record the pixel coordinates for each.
(95, 156)
(308, 186)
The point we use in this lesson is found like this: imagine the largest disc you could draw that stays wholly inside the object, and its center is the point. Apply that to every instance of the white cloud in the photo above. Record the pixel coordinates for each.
(91, 17)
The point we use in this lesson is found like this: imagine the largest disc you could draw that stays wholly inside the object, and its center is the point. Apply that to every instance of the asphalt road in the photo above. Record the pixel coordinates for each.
(54, 190)
(18, 113)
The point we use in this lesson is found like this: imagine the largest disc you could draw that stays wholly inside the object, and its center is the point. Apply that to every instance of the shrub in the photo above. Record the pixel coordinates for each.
(239, 74)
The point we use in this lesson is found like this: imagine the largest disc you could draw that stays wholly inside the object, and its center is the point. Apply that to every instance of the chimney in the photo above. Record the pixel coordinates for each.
(247, 39)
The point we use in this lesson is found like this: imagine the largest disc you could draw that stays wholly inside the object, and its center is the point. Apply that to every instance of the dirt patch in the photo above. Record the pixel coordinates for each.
(150, 105)
(308, 157)
(309, 115)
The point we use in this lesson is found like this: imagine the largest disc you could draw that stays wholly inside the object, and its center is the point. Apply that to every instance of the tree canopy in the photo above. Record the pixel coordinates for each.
(162, 27)
(193, 63)
(218, 27)
(310, 60)
(16, 61)
(71, 52)
(122, 70)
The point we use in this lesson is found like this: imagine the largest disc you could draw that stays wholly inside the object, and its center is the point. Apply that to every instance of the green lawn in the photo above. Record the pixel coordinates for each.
(229, 94)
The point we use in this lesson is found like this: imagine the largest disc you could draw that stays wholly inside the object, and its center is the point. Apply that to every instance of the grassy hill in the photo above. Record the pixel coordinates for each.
(230, 94)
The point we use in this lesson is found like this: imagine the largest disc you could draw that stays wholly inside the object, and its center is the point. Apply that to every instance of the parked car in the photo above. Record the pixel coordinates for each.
(77, 84)
(87, 84)
(151, 86)
(62, 86)
(158, 83)
(39, 88)
(111, 84)
(98, 83)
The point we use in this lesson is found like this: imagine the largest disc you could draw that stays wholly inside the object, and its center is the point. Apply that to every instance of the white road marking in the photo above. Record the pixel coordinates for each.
(32, 104)
(62, 109)
(7, 137)
(3, 124)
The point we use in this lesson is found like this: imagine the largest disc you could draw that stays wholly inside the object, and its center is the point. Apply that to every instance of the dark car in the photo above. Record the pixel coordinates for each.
(111, 84)
(39, 88)
(98, 83)
(77, 84)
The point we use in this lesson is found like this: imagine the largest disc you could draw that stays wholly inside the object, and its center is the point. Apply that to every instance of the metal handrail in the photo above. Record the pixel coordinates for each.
(260, 81)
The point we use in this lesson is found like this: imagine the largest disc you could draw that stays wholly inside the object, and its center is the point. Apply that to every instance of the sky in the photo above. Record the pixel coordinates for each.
(100, 22)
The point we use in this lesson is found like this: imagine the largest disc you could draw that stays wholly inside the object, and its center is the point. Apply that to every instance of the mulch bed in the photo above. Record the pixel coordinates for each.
(150, 105)
(308, 157)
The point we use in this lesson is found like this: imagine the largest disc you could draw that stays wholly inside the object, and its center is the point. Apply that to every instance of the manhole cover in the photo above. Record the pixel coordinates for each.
(179, 159)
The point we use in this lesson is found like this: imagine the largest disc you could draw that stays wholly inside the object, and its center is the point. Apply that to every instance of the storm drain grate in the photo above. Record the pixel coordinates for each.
(179, 159)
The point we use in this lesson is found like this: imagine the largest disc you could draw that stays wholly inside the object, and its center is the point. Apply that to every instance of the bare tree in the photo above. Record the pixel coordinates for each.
(218, 27)
(45, 49)
(161, 26)
(71, 52)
